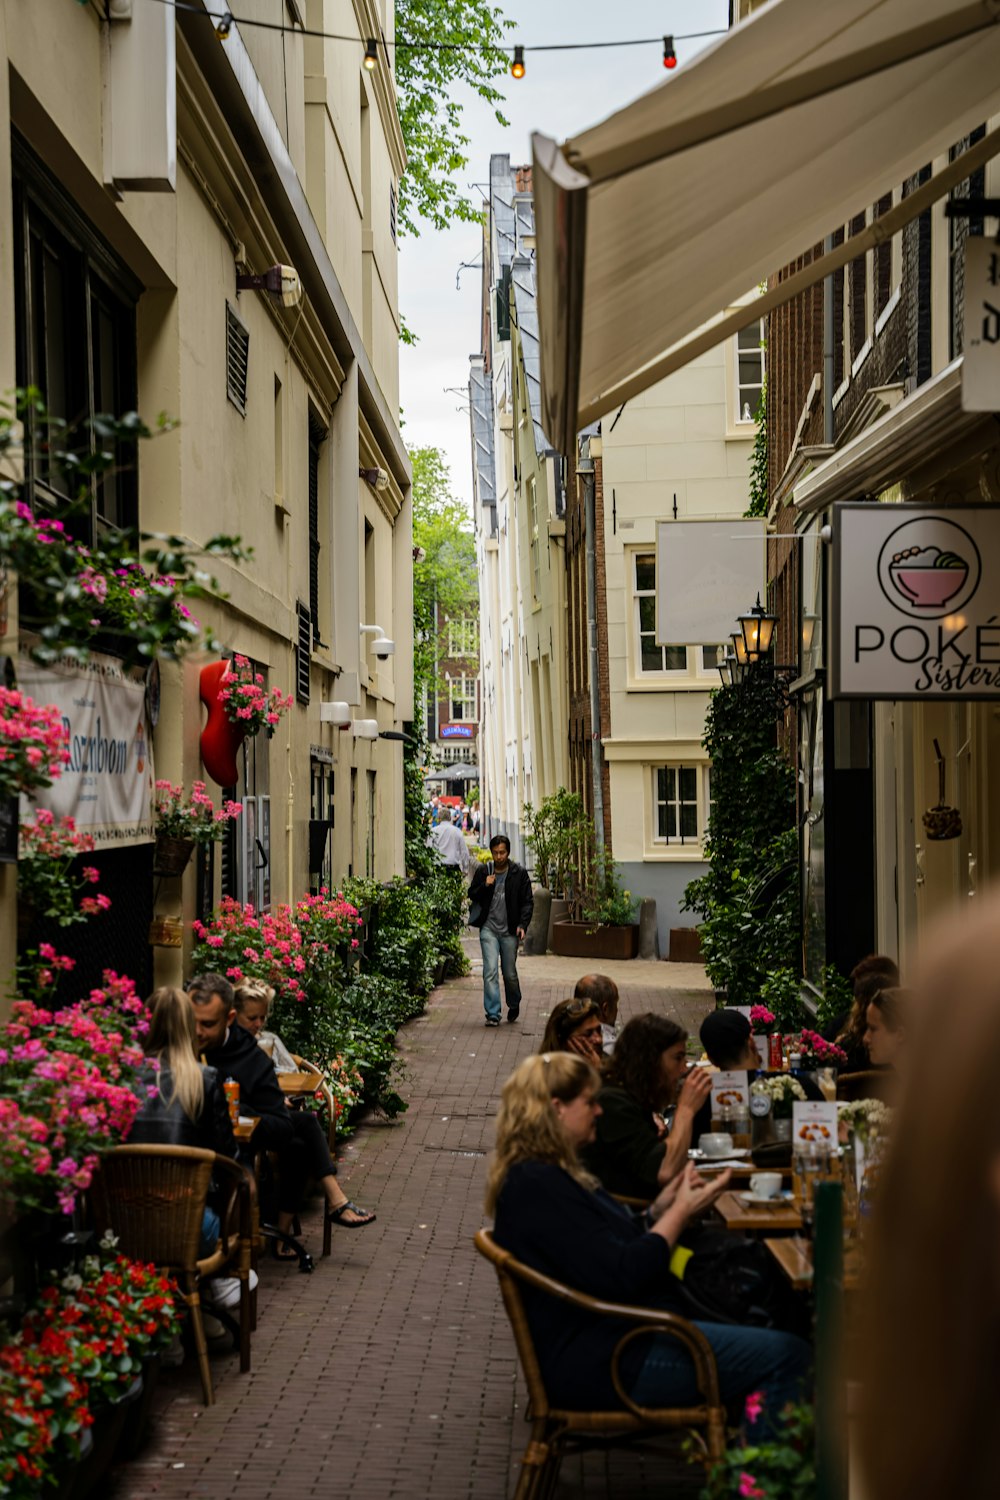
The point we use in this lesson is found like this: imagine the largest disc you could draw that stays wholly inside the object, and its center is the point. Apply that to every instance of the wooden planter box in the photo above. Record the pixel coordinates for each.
(579, 940)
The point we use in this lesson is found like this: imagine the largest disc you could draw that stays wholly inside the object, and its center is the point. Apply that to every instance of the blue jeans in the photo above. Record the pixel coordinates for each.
(499, 949)
(211, 1228)
(748, 1359)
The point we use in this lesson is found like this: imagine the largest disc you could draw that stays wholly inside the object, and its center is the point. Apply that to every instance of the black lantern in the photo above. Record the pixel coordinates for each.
(757, 627)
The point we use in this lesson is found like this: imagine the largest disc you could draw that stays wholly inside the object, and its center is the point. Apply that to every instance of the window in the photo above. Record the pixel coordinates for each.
(237, 359)
(750, 356)
(463, 638)
(857, 293)
(681, 803)
(536, 550)
(75, 340)
(462, 699)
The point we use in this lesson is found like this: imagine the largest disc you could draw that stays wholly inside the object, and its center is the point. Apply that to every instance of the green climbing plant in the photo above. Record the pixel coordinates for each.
(759, 490)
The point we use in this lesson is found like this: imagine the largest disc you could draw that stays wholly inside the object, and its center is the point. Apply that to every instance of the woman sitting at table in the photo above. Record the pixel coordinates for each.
(868, 977)
(575, 1026)
(310, 1157)
(554, 1216)
(633, 1153)
(183, 1103)
(885, 1031)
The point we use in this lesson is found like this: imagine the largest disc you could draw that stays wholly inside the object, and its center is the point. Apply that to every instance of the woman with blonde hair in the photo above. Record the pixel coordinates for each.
(931, 1358)
(554, 1216)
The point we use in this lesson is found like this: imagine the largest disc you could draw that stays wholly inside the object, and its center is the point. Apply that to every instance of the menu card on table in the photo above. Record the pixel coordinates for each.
(814, 1120)
(730, 1089)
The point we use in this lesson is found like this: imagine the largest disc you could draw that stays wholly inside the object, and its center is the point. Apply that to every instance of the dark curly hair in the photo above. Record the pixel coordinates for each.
(869, 978)
(635, 1063)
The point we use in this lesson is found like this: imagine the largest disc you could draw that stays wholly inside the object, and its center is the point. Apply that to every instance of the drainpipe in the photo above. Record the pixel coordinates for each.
(585, 468)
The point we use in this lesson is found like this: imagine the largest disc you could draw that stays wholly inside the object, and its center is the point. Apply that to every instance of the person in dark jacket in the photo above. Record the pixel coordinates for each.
(503, 896)
(183, 1103)
(553, 1216)
(295, 1137)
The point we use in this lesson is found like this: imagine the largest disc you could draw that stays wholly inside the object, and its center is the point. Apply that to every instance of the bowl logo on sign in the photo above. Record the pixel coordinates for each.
(929, 568)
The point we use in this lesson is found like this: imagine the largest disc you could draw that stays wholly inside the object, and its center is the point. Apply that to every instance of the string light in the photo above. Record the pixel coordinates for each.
(669, 55)
(371, 54)
(223, 24)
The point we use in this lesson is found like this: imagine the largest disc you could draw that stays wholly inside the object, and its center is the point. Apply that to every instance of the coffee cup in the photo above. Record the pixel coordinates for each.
(716, 1143)
(765, 1184)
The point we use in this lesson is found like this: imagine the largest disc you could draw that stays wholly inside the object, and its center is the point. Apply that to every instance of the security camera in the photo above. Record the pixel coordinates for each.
(365, 729)
(282, 282)
(383, 648)
(377, 478)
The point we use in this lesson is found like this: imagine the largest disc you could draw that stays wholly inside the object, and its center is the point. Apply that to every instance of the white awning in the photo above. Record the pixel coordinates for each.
(655, 222)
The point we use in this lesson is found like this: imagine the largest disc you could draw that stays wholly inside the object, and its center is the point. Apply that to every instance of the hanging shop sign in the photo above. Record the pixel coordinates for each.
(916, 602)
(456, 731)
(981, 326)
(107, 785)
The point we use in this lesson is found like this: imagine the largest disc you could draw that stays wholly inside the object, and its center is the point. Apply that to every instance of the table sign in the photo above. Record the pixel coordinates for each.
(730, 1090)
(916, 602)
(814, 1121)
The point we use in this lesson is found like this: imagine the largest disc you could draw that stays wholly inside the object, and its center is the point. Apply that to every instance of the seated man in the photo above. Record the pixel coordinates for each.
(296, 1137)
(727, 1038)
(604, 993)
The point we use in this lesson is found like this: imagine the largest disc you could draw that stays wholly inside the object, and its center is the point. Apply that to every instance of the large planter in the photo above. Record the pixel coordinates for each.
(581, 940)
(137, 1427)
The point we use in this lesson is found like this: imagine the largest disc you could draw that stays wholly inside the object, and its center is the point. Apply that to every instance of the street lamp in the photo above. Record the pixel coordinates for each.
(725, 669)
(739, 651)
(757, 628)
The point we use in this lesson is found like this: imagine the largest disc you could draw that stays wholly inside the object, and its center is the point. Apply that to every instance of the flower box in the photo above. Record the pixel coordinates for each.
(581, 940)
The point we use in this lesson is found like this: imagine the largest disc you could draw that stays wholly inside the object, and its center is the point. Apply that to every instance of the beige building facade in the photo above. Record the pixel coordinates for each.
(147, 159)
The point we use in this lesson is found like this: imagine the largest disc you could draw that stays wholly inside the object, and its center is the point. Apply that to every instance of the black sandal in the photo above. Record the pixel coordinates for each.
(336, 1216)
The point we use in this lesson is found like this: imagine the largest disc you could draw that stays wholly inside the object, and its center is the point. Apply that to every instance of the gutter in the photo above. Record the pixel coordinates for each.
(230, 74)
(585, 469)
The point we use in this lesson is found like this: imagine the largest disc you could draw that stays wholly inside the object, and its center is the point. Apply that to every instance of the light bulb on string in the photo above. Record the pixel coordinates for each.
(517, 66)
(223, 25)
(669, 55)
(371, 54)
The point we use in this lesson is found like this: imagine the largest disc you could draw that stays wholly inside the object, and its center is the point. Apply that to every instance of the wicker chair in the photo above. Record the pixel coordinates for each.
(554, 1431)
(153, 1198)
(879, 1083)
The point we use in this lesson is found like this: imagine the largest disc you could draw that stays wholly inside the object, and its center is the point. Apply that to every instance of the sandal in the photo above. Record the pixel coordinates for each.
(336, 1216)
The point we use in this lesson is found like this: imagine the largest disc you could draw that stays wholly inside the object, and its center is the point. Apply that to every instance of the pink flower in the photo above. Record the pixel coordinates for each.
(753, 1406)
(749, 1488)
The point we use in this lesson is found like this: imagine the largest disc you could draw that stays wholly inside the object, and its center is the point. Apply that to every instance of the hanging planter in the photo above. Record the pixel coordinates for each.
(238, 705)
(171, 855)
(166, 932)
(942, 822)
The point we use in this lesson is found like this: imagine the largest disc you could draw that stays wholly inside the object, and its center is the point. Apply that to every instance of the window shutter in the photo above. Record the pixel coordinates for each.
(303, 652)
(316, 438)
(237, 360)
(503, 306)
(392, 211)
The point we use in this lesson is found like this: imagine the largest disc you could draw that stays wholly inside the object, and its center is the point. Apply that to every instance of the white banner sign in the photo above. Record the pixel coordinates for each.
(916, 602)
(108, 784)
(707, 573)
(981, 326)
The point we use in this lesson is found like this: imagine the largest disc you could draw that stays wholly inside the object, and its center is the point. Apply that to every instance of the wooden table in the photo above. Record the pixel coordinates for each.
(298, 1083)
(779, 1215)
(795, 1258)
(244, 1129)
(743, 1171)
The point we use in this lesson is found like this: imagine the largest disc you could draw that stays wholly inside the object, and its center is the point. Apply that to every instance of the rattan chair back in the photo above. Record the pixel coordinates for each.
(153, 1199)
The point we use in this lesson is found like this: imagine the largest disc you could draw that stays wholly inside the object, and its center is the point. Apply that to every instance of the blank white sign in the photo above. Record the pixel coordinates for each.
(707, 573)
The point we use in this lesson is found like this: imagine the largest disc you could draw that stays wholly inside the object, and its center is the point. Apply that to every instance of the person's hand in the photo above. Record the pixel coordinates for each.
(520, 934)
(695, 1193)
(491, 880)
(661, 1126)
(586, 1046)
(695, 1089)
(665, 1198)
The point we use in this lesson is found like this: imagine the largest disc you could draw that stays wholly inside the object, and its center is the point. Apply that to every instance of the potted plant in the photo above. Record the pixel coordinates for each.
(606, 927)
(780, 1466)
(814, 1051)
(761, 1024)
(45, 885)
(772, 1099)
(238, 705)
(33, 748)
(182, 822)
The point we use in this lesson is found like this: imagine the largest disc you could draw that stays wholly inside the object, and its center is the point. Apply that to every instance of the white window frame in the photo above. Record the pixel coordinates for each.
(701, 801)
(534, 542)
(738, 420)
(462, 690)
(693, 673)
(463, 638)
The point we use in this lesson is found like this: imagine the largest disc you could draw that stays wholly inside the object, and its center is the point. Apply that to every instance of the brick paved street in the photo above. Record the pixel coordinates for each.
(390, 1372)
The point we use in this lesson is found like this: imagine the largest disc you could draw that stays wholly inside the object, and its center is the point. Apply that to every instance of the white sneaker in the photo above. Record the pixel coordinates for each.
(224, 1291)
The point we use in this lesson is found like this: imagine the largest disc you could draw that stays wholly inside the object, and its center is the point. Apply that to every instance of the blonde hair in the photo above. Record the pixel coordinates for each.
(528, 1128)
(252, 989)
(172, 1038)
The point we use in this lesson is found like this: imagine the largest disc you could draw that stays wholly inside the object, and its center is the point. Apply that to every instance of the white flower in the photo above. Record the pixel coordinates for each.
(109, 1240)
(780, 1086)
(71, 1283)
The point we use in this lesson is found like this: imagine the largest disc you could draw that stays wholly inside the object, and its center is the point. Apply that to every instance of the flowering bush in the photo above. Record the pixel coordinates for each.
(811, 1046)
(47, 850)
(247, 703)
(71, 1072)
(33, 743)
(778, 1464)
(195, 818)
(292, 948)
(761, 1019)
(43, 1411)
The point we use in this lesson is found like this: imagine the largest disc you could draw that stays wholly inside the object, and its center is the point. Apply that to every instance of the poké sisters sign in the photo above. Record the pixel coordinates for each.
(916, 602)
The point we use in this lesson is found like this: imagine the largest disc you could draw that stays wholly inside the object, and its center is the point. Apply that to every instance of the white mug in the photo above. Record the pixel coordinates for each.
(716, 1143)
(765, 1184)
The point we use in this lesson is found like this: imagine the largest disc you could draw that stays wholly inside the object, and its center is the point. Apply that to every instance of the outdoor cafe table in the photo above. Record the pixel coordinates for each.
(244, 1129)
(777, 1216)
(298, 1083)
(795, 1258)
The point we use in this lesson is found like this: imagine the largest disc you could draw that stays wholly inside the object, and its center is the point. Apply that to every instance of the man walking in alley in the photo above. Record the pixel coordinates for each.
(450, 846)
(501, 908)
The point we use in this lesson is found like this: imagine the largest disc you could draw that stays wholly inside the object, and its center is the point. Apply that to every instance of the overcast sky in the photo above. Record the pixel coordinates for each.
(560, 94)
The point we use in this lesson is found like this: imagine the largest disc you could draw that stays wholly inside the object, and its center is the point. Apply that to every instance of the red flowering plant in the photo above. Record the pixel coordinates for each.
(75, 1072)
(33, 743)
(43, 1411)
(291, 948)
(247, 702)
(816, 1052)
(761, 1020)
(195, 817)
(48, 847)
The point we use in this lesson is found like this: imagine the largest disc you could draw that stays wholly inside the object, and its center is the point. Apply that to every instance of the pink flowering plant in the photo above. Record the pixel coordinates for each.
(247, 702)
(45, 879)
(768, 1460)
(68, 1081)
(814, 1050)
(296, 949)
(761, 1019)
(194, 817)
(33, 743)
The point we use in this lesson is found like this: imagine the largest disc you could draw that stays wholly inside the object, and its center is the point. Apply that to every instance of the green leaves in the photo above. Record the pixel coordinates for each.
(465, 37)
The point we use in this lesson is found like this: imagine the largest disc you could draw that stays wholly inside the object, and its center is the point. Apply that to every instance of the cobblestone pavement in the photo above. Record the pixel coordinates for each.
(390, 1371)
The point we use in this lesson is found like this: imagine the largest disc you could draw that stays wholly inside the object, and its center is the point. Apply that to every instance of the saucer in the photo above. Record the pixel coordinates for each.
(778, 1200)
(733, 1154)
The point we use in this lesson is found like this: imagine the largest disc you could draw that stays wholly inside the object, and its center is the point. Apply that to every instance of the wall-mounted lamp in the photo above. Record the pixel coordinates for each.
(757, 627)
(281, 281)
(370, 59)
(365, 729)
(223, 25)
(337, 714)
(381, 645)
(377, 478)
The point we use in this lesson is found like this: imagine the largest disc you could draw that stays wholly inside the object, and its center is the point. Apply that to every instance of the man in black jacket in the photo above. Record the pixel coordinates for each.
(234, 1053)
(502, 894)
